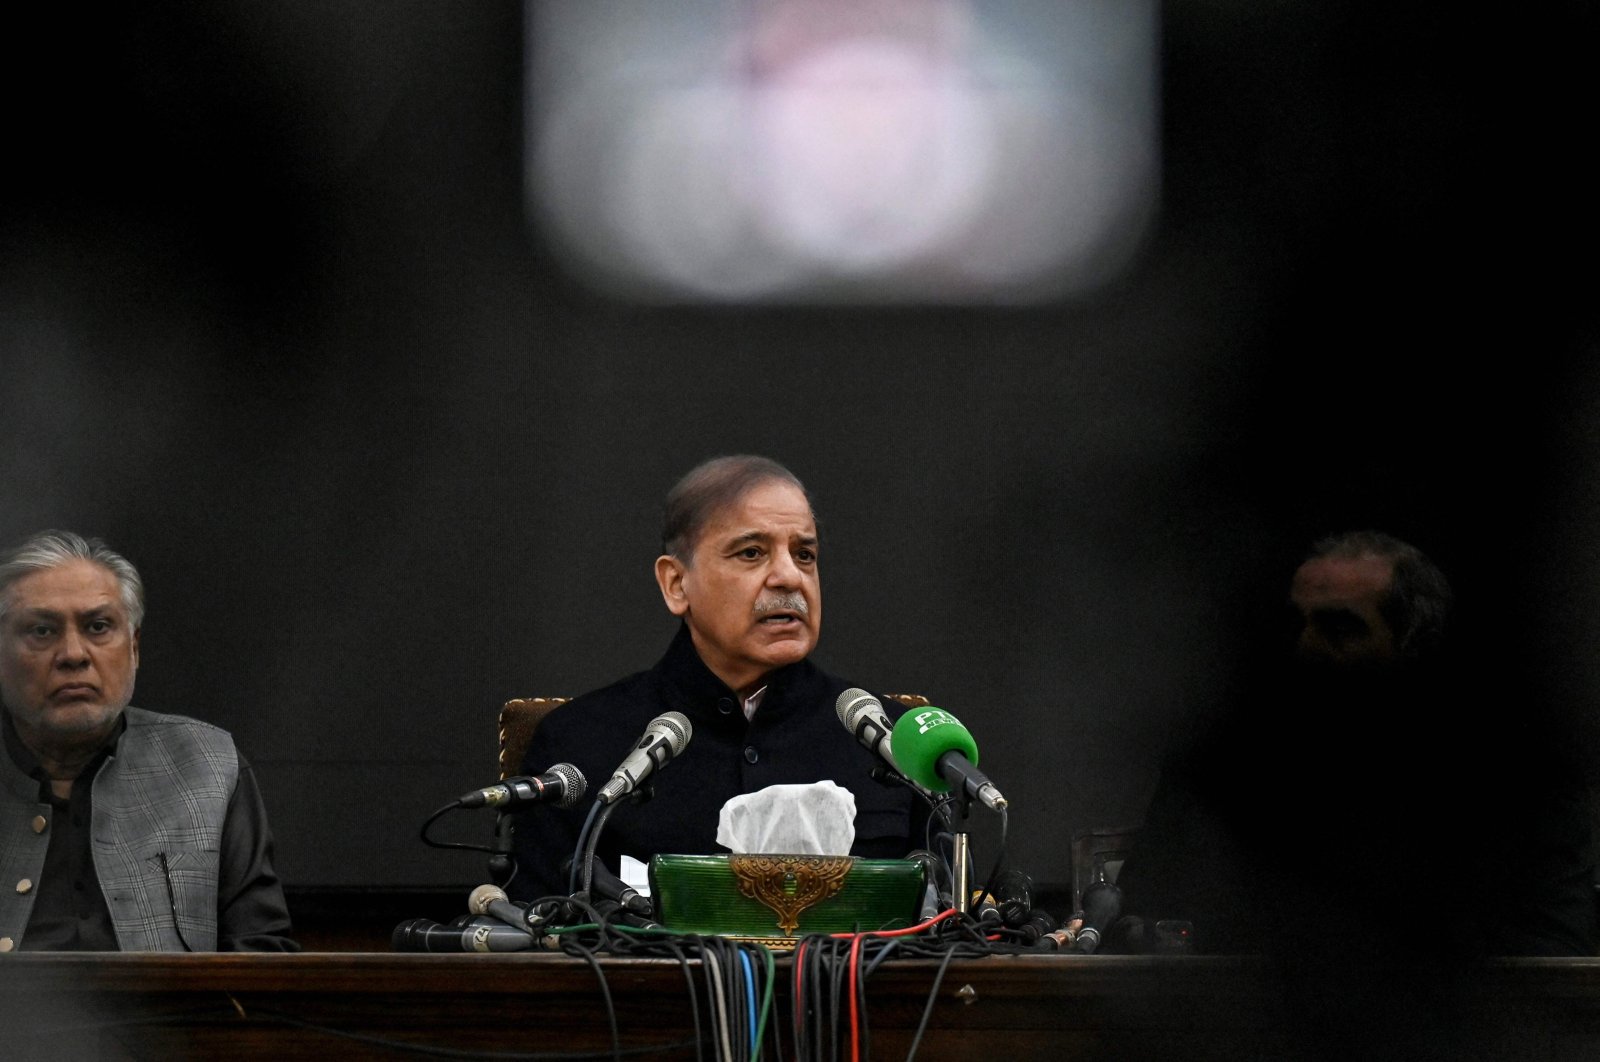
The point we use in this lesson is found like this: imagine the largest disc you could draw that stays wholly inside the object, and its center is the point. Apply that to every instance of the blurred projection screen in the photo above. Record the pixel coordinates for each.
(857, 151)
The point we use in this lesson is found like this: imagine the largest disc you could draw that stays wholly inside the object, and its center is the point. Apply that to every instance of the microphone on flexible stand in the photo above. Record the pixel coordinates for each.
(862, 714)
(562, 785)
(665, 737)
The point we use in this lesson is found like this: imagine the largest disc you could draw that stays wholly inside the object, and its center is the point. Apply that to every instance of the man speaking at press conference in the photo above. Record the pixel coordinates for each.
(740, 567)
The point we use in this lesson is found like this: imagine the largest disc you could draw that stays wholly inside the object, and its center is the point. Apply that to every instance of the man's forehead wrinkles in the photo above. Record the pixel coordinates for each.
(45, 612)
(808, 538)
(38, 613)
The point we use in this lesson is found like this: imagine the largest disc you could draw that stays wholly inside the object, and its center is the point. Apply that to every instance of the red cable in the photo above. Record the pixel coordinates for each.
(935, 920)
(855, 965)
(799, 997)
(855, 1026)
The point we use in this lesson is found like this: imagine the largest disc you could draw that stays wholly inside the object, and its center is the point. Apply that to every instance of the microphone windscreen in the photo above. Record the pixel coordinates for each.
(675, 726)
(573, 784)
(921, 736)
(851, 703)
(480, 898)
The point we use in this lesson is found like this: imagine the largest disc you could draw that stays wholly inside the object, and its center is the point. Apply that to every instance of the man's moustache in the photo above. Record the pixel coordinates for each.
(789, 603)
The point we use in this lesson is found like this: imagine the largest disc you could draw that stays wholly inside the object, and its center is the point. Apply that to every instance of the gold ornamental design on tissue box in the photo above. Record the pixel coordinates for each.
(789, 884)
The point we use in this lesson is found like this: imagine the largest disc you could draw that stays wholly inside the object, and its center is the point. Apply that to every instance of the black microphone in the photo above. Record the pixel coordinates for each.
(480, 934)
(663, 739)
(862, 714)
(1013, 897)
(1102, 905)
(1036, 929)
(491, 900)
(562, 785)
(605, 884)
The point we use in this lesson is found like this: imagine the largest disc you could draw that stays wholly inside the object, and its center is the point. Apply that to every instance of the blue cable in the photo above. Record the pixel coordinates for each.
(750, 995)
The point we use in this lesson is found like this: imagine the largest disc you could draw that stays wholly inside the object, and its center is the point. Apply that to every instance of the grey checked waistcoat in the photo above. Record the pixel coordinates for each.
(156, 833)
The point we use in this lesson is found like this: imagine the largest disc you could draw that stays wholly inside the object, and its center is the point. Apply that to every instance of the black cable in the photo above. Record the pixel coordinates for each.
(605, 993)
(933, 997)
(577, 851)
(431, 843)
(836, 975)
(999, 861)
(802, 986)
(694, 1001)
(890, 946)
(592, 842)
(812, 1012)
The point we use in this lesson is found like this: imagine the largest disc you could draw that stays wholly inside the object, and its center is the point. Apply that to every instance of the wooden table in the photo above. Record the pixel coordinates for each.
(1000, 1009)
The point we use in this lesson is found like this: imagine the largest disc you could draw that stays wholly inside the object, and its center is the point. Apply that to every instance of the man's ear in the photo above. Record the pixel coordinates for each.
(136, 650)
(669, 577)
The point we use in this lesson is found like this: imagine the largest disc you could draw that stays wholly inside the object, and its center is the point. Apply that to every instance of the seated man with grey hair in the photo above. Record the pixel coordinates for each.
(120, 829)
(739, 566)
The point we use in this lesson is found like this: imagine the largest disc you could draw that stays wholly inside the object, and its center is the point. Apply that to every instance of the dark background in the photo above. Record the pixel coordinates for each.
(272, 322)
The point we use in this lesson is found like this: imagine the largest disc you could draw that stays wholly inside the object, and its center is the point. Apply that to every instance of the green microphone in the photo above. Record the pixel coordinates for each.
(933, 749)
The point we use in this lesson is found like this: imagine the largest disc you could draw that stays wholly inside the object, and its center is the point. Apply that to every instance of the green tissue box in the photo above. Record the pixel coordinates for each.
(776, 899)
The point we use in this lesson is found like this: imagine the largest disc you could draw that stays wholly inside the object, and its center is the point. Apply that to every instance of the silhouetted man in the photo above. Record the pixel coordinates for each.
(1356, 797)
(1374, 812)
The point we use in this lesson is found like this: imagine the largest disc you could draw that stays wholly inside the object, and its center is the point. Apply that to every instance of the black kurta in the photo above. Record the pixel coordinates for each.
(795, 737)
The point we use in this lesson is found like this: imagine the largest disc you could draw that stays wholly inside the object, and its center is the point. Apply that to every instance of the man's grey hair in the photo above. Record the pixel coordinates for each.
(52, 549)
(1417, 606)
(707, 489)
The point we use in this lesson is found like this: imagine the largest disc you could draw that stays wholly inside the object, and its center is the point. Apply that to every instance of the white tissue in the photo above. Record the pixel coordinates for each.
(814, 819)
